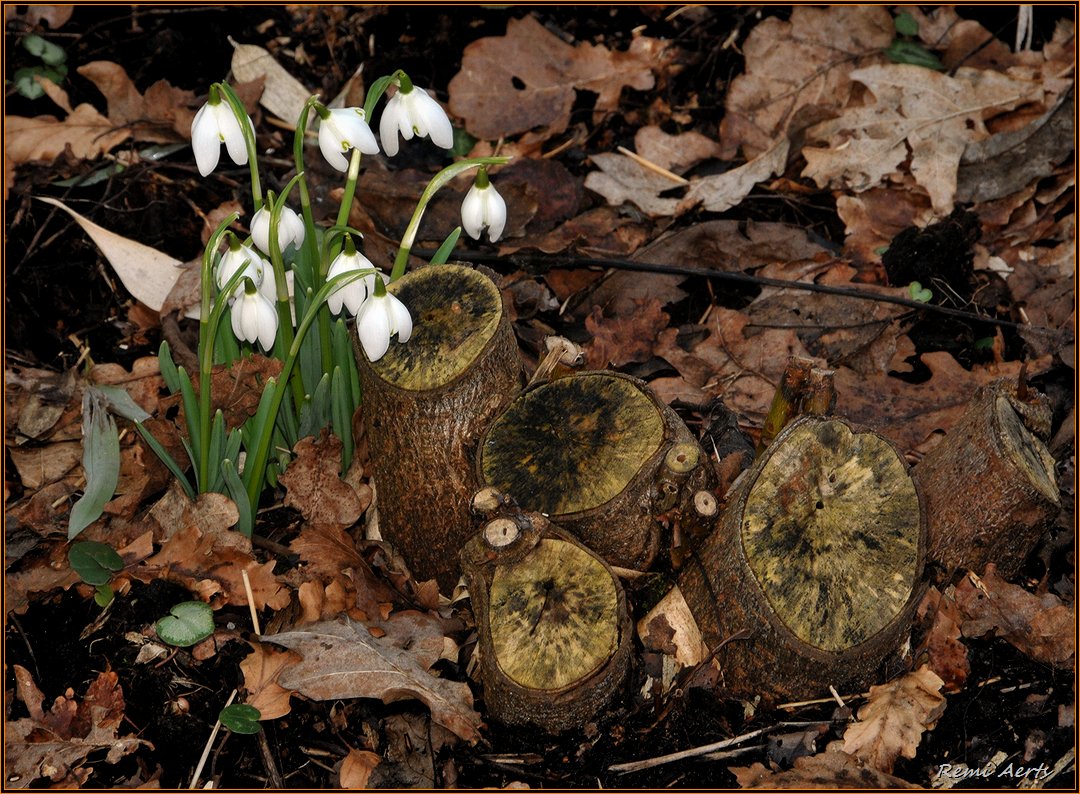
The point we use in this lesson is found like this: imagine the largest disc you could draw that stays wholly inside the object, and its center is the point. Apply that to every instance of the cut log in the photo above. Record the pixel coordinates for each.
(552, 621)
(814, 572)
(426, 405)
(990, 488)
(600, 455)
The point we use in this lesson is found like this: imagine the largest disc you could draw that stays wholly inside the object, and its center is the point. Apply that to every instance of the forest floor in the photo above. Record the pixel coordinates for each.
(711, 146)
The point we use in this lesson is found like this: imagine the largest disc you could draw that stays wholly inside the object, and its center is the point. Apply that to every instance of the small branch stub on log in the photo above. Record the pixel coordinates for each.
(430, 401)
(598, 453)
(816, 564)
(990, 486)
(552, 620)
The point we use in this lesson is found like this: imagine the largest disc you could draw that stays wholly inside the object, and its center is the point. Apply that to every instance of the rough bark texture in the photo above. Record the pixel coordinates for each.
(605, 459)
(554, 631)
(426, 405)
(815, 569)
(989, 486)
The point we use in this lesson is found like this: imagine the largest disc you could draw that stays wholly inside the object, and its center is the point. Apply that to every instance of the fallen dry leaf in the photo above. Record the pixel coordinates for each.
(356, 769)
(799, 68)
(874, 217)
(1040, 626)
(39, 466)
(725, 362)
(894, 717)
(345, 661)
(916, 113)
(832, 769)
(623, 340)
(146, 273)
(314, 486)
(946, 654)
(676, 153)
(621, 179)
(282, 94)
(910, 413)
(44, 138)
(55, 744)
(486, 94)
(327, 550)
(721, 192)
(163, 115)
(261, 669)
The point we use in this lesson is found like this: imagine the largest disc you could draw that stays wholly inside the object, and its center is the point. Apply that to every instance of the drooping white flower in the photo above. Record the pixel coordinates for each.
(254, 318)
(411, 111)
(290, 229)
(243, 256)
(382, 316)
(353, 294)
(213, 125)
(483, 208)
(342, 129)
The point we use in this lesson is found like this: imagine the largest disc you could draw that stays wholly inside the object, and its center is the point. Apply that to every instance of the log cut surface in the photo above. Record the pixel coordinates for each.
(554, 618)
(572, 444)
(819, 500)
(448, 335)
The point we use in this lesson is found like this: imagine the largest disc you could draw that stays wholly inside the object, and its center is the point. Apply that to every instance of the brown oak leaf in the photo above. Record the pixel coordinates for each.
(832, 769)
(946, 654)
(261, 669)
(623, 340)
(314, 486)
(1040, 626)
(356, 768)
(894, 717)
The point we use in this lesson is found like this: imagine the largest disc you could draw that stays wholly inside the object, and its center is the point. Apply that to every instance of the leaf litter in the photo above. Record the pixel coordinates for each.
(816, 105)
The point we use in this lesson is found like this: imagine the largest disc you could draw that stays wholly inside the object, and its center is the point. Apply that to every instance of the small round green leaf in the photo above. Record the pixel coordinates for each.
(94, 562)
(906, 24)
(913, 53)
(919, 293)
(103, 595)
(240, 718)
(186, 624)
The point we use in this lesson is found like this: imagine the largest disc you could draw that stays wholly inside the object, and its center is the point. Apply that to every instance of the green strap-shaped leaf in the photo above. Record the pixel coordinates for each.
(168, 368)
(246, 524)
(341, 410)
(101, 462)
(443, 254)
(187, 623)
(167, 459)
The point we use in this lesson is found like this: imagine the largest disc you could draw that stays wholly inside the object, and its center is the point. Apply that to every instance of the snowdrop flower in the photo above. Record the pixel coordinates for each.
(213, 125)
(255, 268)
(483, 208)
(342, 129)
(411, 111)
(382, 316)
(254, 318)
(353, 294)
(290, 229)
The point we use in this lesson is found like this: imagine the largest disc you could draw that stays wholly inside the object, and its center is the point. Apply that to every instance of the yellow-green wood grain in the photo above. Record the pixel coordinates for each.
(572, 444)
(831, 531)
(553, 616)
(455, 312)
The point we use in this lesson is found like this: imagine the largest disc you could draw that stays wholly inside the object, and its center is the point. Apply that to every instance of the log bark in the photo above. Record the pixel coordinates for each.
(600, 455)
(427, 403)
(990, 488)
(815, 569)
(554, 631)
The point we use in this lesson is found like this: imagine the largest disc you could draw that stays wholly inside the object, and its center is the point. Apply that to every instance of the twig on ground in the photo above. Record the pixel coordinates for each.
(209, 744)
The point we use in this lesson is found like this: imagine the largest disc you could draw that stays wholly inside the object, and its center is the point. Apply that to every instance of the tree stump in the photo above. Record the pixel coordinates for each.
(600, 455)
(552, 621)
(814, 572)
(990, 488)
(427, 403)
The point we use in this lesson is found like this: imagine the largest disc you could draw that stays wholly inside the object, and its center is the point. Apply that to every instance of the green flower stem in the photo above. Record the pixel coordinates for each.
(284, 309)
(208, 322)
(324, 264)
(439, 180)
(311, 245)
(249, 139)
(261, 454)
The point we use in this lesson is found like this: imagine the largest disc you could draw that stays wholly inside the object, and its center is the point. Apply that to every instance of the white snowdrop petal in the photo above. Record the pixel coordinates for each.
(388, 126)
(400, 319)
(205, 141)
(260, 230)
(331, 147)
(472, 213)
(373, 327)
(495, 217)
(231, 132)
(267, 321)
(434, 121)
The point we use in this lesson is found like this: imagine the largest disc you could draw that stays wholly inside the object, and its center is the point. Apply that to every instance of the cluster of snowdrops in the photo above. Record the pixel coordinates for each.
(291, 287)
